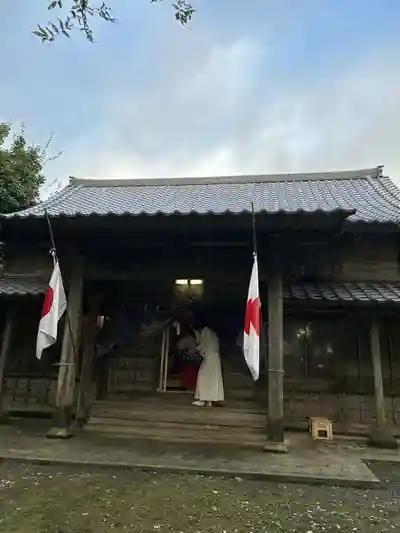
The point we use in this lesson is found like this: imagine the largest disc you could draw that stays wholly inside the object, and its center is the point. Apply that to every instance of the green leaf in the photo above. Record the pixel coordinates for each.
(78, 13)
(21, 168)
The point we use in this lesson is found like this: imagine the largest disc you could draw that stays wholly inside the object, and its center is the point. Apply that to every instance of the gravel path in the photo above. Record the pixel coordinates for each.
(53, 500)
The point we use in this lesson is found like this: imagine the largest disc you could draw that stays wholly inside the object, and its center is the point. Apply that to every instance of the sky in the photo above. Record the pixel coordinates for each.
(255, 86)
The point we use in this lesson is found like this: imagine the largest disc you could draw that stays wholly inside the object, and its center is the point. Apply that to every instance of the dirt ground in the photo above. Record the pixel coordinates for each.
(54, 500)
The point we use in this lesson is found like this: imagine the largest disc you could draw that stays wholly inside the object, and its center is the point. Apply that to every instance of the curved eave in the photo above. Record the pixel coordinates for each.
(278, 220)
(344, 213)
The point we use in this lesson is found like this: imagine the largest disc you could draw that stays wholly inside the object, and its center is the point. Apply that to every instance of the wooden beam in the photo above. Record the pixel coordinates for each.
(69, 353)
(3, 356)
(275, 362)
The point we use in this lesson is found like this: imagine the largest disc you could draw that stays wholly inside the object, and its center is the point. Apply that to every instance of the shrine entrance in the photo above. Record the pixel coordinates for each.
(152, 369)
(149, 346)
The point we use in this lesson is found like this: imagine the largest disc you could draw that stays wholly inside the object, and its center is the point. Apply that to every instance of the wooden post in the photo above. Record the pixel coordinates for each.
(3, 356)
(381, 436)
(378, 380)
(69, 352)
(276, 440)
(89, 334)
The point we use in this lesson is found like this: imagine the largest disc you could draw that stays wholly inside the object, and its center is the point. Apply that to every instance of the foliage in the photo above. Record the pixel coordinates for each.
(81, 11)
(21, 167)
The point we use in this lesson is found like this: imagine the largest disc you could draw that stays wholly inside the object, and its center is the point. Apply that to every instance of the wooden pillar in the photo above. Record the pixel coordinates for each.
(88, 348)
(378, 379)
(69, 352)
(381, 436)
(276, 440)
(3, 356)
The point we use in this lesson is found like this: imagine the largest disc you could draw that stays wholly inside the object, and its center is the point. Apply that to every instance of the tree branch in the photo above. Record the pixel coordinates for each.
(79, 13)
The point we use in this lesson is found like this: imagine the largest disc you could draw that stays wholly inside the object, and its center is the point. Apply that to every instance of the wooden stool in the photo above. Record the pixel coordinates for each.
(321, 428)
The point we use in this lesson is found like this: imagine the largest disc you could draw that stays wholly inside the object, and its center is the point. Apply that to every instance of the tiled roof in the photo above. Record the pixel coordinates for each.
(339, 291)
(21, 285)
(365, 195)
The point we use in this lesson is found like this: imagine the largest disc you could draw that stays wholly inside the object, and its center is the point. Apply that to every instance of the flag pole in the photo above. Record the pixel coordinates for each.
(262, 327)
(253, 224)
(53, 252)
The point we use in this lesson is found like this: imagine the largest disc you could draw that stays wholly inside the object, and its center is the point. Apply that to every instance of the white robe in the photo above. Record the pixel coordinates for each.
(210, 387)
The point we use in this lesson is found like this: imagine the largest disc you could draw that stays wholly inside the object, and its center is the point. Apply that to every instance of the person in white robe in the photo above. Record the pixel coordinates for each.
(210, 386)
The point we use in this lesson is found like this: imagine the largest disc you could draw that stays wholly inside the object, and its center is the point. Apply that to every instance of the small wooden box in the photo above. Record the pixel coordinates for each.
(321, 428)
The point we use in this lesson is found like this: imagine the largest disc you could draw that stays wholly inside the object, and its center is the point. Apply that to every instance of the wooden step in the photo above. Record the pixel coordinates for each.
(223, 411)
(170, 399)
(171, 417)
(191, 415)
(156, 425)
(174, 433)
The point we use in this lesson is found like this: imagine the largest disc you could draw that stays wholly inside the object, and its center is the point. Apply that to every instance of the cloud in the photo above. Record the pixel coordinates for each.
(207, 122)
(209, 102)
(349, 120)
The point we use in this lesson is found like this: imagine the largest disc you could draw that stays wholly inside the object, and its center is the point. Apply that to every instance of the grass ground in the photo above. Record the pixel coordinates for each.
(54, 500)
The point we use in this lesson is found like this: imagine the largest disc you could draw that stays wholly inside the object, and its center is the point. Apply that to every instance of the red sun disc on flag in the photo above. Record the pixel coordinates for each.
(48, 302)
(253, 316)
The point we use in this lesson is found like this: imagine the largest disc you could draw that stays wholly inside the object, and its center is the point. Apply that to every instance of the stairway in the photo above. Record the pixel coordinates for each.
(170, 417)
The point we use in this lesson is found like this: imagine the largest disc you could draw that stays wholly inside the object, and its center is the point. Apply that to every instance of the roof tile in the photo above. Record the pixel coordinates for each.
(365, 195)
(21, 285)
(341, 291)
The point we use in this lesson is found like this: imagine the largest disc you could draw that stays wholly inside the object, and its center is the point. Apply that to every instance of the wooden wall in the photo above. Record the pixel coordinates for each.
(348, 411)
(358, 260)
(346, 257)
(28, 262)
(368, 258)
(325, 256)
(29, 383)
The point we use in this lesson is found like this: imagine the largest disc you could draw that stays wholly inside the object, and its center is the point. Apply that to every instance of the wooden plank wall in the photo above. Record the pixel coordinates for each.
(372, 258)
(29, 383)
(365, 257)
(134, 367)
(345, 408)
(28, 263)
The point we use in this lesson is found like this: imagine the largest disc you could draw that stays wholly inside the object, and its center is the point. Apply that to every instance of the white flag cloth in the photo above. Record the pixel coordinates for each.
(54, 306)
(251, 338)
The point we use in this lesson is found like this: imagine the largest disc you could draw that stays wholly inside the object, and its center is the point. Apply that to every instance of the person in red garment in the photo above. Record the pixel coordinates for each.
(187, 346)
(188, 375)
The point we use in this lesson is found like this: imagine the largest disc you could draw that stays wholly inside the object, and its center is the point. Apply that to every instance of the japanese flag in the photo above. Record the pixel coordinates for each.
(54, 306)
(251, 338)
